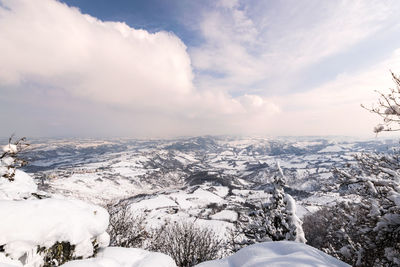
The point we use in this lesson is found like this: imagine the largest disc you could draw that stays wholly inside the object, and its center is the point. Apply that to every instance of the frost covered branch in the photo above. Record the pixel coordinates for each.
(10, 160)
(388, 108)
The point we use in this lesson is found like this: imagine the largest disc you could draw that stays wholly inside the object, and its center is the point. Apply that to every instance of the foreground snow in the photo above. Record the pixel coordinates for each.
(27, 224)
(124, 257)
(22, 186)
(277, 254)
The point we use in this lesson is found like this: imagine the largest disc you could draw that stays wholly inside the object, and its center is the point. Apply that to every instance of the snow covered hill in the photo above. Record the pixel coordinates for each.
(230, 169)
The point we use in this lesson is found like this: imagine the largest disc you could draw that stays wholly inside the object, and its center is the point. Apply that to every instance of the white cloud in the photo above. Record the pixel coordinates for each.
(130, 77)
(257, 45)
(46, 42)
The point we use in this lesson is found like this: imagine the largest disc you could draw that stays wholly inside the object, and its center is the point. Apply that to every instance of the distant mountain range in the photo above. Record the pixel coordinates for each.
(193, 177)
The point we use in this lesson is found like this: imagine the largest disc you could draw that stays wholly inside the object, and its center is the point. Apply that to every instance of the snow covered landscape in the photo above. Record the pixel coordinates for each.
(173, 133)
(213, 181)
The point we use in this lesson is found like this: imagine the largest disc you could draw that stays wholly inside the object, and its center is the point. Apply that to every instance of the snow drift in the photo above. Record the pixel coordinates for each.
(22, 187)
(28, 224)
(277, 254)
(25, 225)
(125, 257)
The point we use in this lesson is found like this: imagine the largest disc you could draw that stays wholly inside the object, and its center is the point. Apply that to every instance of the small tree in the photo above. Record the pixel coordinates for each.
(10, 159)
(375, 178)
(187, 243)
(388, 108)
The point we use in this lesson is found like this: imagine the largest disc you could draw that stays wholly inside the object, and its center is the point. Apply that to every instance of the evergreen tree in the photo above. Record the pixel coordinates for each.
(282, 222)
(272, 221)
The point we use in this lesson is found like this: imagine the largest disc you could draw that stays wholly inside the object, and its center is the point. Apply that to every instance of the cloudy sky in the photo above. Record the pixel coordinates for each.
(162, 68)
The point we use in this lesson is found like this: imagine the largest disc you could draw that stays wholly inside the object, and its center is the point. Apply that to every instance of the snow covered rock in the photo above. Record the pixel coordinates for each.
(277, 254)
(29, 224)
(125, 257)
(21, 187)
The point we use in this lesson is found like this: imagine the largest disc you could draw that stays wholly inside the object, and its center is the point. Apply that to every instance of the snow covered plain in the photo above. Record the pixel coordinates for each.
(210, 180)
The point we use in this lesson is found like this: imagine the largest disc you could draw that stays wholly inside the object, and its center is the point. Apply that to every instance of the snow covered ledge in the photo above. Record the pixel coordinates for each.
(27, 224)
(277, 254)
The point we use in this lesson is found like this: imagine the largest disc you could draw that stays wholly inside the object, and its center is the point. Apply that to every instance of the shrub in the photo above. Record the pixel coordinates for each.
(187, 243)
(343, 231)
(126, 229)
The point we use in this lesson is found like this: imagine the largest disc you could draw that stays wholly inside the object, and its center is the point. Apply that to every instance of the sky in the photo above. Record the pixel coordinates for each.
(165, 68)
